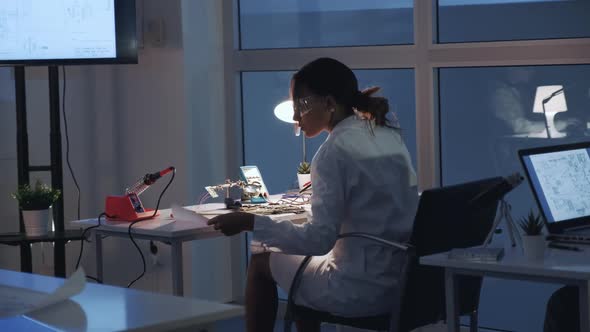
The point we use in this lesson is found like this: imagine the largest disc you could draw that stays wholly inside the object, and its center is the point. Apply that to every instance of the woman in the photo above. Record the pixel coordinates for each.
(363, 181)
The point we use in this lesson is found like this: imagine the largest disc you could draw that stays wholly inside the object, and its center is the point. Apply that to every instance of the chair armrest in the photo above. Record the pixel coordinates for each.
(393, 244)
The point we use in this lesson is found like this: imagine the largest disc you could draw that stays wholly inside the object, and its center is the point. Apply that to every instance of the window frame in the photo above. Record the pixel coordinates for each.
(425, 56)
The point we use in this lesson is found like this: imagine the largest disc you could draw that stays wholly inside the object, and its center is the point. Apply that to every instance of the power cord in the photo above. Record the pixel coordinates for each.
(82, 244)
(142, 219)
(63, 109)
(128, 232)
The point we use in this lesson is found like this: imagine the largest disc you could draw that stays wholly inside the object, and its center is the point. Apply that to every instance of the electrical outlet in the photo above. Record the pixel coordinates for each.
(154, 253)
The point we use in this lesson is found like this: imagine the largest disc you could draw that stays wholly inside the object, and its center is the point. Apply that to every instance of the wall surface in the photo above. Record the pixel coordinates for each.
(218, 265)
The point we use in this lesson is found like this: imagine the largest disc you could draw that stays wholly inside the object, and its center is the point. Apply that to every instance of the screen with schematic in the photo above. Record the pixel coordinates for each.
(251, 175)
(561, 182)
(40, 30)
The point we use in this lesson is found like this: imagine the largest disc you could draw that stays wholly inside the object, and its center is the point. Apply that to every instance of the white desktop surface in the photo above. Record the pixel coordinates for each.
(109, 308)
(163, 225)
(558, 266)
(557, 263)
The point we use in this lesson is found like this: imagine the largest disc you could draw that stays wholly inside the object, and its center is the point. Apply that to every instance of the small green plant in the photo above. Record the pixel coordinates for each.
(304, 168)
(531, 224)
(40, 197)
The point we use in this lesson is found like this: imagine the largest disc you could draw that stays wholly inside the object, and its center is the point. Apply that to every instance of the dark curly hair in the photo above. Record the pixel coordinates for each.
(330, 77)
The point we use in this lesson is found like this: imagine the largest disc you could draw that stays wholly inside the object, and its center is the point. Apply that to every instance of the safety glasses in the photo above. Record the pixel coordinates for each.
(304, 105)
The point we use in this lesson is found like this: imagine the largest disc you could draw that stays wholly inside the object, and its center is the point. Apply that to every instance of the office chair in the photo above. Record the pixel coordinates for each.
(447, 218)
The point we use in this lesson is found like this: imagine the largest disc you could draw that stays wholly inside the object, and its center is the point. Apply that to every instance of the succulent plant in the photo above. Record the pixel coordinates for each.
(304, 168)
(531, 224)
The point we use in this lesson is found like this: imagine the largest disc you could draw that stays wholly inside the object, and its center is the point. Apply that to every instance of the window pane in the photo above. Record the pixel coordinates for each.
(271, 145)
(495, 20)
(315, 23)
(487, 115)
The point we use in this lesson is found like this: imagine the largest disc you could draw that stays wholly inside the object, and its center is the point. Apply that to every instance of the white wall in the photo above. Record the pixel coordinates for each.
(215, 274)
(127, 120)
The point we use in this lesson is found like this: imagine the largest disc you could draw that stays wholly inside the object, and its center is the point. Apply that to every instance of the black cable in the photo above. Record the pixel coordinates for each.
(142, 219)
(63, 109)
(82, 244)
(95, 279)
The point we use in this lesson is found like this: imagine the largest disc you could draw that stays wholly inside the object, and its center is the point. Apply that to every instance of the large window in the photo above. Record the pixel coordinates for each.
(501, 110)
(493, 20)
(486, 116)
(320, 23)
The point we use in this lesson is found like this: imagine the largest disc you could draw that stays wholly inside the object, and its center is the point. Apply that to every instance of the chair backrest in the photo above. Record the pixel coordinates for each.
(447, 218)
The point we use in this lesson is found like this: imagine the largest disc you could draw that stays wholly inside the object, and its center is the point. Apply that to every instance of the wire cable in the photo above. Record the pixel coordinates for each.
(204, 198)
(142, 219)
(63, 109)
(82, 244)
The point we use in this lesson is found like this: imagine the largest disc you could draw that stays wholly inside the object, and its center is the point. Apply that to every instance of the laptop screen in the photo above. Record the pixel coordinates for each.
(559, 177)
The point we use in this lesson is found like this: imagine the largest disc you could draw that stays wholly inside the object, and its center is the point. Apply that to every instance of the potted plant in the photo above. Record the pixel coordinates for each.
(303, 174)
(533, 241)
(35, 203)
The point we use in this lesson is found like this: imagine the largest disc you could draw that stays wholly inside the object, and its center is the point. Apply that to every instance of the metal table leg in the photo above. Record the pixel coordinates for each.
(584, 298)
(177, 280)
(98, 243)
(452, 300)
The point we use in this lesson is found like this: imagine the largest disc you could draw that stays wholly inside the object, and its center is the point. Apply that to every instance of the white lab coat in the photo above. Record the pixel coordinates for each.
(362, 181)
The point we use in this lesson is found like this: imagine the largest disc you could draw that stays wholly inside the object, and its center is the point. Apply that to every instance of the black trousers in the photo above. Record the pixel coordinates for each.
(563, 311)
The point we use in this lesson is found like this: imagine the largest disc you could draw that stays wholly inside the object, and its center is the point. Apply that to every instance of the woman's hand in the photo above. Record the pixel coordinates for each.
(233, 223)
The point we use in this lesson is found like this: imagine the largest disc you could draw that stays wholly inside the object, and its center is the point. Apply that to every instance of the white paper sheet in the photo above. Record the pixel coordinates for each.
(181, 214)
(16, 301)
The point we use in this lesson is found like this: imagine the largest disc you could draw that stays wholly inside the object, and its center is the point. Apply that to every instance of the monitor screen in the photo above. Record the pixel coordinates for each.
(67, 32)
(560, 180)
(251, 175)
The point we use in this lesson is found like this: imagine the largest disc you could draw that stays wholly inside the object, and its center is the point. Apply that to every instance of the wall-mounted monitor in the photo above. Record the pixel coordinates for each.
(67, 32)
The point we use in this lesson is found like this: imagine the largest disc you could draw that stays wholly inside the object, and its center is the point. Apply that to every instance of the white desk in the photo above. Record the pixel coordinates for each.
(166, 229)
(109, 308)
(559, 266)
(161, 228)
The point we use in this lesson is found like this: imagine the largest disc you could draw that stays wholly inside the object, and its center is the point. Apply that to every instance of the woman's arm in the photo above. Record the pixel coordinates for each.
(318, 235)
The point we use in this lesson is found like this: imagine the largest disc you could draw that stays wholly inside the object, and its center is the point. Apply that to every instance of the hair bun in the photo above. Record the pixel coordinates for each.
(360, 101)
(371, 107)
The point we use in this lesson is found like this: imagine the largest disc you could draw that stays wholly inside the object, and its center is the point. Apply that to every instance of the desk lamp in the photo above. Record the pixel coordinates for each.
(284, 112)
(550, 100)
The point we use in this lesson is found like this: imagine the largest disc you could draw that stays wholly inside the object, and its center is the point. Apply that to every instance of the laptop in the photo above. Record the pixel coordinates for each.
(559, 177)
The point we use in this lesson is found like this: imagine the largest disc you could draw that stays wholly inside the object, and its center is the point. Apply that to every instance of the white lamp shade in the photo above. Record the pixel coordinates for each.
(284, 111)
(556, 104)
(554, 97)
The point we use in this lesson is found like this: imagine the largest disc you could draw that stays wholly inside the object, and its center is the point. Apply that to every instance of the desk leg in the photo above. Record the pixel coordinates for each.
(26, 258)
(177, 281)
(584, 298)
(98, 244)
(452, 301)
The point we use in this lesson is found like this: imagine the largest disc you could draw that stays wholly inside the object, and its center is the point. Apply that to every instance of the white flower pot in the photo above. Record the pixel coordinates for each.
(36, 222)
(534, 247)
(303, 179)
